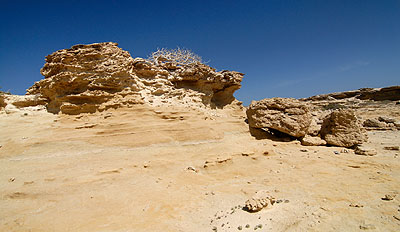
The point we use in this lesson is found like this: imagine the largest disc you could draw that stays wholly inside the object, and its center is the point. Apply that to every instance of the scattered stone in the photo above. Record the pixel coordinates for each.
(312, 141)
(336, 152)
(12, 179)
(392, 148)
(190, 168)
(344, 151)
(287, 115)
(303, 150)
(247, 226)
(342, 128)
(356, 205)
(354, 166)
(367, 227)
(365, 150)
(259, 201)
(388, 197)
(86, 126)
(247, 153)
(240, 227)
(286, 201)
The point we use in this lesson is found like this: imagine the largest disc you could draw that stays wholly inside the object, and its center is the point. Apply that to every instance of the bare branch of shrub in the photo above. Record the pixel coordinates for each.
(178, 56)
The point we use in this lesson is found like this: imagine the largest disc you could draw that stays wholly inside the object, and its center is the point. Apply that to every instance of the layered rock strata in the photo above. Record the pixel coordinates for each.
(391, 93)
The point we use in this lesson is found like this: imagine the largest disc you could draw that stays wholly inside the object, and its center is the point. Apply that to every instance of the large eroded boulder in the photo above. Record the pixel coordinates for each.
(342, 128)
(287, 115)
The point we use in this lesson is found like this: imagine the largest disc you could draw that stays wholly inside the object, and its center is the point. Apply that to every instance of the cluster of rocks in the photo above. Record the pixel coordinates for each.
(297, 119)
(95, 77)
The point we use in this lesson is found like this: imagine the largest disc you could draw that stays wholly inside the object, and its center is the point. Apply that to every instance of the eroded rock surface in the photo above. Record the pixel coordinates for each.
(95, 77)
(287, 115)
(342, 128)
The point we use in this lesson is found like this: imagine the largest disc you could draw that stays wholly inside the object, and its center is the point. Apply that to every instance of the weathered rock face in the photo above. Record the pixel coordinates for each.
(87, 78)
(342, 128)
(286, 115)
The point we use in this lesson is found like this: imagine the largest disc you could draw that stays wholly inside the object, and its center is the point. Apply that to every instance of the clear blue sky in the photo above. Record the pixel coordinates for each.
(292, 48)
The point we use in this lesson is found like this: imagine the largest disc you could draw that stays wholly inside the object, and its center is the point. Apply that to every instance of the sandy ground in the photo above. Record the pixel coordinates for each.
(143, 169)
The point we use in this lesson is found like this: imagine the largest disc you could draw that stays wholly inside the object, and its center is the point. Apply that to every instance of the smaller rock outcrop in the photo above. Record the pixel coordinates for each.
(312, 141)
(287, 115)
(342, 128)
(258, 201)
(381, 123)
(2, 102)
(365, 150)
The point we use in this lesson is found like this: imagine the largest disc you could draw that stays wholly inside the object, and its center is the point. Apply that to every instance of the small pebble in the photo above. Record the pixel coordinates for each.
(240, 227)
(247, 226)
(286, 201)
(336, 152)
(367, 227)
(388, 197)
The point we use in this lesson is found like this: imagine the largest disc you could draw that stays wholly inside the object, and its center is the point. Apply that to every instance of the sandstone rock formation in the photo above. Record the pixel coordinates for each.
(258, 201)
(87, 78)
(287, 115)
(342, 128)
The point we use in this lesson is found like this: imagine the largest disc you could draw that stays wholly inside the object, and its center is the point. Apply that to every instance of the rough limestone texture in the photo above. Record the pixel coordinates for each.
(312, 141)
(95, 77)
(287, 115)
(342, 128)
(258, 201)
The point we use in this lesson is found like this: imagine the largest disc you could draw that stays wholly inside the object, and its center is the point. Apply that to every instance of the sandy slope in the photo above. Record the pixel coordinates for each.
(143, 169)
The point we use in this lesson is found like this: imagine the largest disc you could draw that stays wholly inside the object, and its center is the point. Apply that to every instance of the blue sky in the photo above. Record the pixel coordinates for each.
(294, 48)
